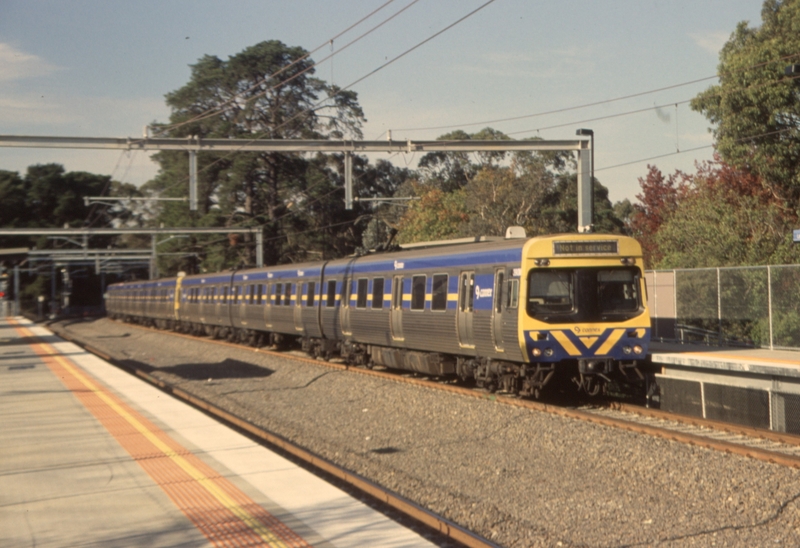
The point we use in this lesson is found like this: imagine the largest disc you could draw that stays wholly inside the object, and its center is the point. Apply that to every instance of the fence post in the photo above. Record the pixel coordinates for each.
(675, 302)
(769, 305)
(719, 311)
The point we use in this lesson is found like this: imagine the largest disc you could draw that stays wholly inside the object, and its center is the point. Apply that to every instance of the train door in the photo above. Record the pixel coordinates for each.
(396, 313)
(466, 298)
(498, 308)
(298, 306)
(243, 296)
(267, 303)
(344, 305)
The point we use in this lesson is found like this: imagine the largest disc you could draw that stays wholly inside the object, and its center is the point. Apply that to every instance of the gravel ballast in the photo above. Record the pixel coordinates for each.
(518, 477)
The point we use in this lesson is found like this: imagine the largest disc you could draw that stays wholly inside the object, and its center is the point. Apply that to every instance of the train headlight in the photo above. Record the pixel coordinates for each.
(541, 262)
(548, 352)
(536, 352)
(638, 349)
(626, 349)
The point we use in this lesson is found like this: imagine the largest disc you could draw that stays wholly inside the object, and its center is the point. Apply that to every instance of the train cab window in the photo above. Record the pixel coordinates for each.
(584, 295)
(361, 293)
(439, 292)
(278, 293)
(331, 297)
(311, 293)
(377, 292)
(418, 292)
(551, 292)
(287, 294)
(512, 293)
(617, 291)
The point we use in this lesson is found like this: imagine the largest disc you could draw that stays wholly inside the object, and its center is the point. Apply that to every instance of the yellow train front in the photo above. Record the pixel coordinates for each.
(585, 305)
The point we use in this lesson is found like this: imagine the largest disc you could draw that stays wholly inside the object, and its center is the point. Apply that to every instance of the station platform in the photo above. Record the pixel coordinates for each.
(759, 361)
(755, 387)
(92, 456)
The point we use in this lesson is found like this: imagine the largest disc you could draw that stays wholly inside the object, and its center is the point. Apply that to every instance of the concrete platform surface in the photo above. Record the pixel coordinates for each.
(759, 361)
(91, 456)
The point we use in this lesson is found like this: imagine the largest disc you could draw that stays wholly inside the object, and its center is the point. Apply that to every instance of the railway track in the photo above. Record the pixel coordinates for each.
(769, 446)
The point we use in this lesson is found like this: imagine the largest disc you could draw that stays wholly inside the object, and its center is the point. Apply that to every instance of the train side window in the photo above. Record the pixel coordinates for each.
(235, 297)
(499, 287)
(252, 293)
(224, 294)
(213, 294)
(278, 293)
(439, 292)
(418, 292)
(287, 294)
(377, 292)
(311, 294)
(512, 293)
(331, 300)
(361, 293)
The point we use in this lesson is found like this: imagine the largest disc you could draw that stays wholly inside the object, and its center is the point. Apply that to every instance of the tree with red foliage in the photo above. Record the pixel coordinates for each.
(659, 199)
(718, 216)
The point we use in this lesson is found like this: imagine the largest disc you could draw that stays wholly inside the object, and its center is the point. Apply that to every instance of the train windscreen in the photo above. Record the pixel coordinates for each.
(584, 295)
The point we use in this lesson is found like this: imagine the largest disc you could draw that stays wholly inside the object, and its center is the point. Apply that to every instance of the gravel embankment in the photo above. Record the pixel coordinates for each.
(518, 477)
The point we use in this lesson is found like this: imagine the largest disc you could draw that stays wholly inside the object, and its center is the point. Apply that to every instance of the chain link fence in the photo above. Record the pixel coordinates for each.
(734, 306)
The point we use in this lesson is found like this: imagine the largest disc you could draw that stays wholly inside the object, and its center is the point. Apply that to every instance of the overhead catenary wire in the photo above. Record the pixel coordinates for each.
(739, 140)
(225, 106)
(340, 90)
(599, 103)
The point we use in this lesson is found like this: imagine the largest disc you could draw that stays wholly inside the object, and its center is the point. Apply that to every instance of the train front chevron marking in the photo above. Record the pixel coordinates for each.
(612, 339)
(567, 344)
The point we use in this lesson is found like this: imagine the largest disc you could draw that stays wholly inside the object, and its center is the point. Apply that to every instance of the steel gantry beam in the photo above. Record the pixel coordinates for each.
(193, 145)
(86, 232)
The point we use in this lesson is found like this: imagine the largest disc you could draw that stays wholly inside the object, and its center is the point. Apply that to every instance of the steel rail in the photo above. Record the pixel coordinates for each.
(571, 413)
(403, 505)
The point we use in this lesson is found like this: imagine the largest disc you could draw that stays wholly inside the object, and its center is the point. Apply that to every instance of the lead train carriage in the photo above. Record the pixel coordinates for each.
(508, 312)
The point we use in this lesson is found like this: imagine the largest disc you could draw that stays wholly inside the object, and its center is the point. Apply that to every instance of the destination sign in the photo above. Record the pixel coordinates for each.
(597, 247)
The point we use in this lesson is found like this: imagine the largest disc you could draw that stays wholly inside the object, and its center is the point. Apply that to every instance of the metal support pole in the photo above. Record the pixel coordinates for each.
(193, 180)
(153, 262)
(584, 191)
(348, 180)
(260, 247)
(17, 308)
(53, 302)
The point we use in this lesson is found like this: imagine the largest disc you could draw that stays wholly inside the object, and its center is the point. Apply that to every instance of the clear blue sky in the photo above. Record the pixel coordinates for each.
(101, 68)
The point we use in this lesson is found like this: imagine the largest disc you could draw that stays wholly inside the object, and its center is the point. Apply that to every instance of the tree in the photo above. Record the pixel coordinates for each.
(266, 91)
(461, 197)
(718, 216)
(755, 110)
(437, 215)
(657, 203)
